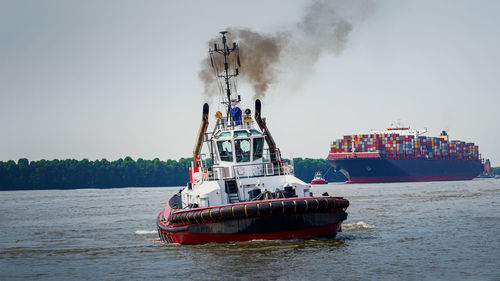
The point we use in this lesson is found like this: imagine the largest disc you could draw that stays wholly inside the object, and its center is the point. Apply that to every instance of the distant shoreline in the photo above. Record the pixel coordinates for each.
(122, 173)
(76, 188)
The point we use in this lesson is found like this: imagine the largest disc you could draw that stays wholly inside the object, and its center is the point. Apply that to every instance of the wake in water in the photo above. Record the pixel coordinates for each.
(155, 239)
(350, 233)
(346, 226)
(357, 225)
(142, 232)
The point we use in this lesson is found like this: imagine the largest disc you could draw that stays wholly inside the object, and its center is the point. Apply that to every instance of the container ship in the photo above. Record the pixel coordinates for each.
(400, 154)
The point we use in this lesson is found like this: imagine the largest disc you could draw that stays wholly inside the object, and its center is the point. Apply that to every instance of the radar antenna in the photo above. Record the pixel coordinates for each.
(226, 76)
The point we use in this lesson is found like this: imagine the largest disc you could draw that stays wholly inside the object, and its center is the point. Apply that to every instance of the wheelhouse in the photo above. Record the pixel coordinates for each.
(238, 146)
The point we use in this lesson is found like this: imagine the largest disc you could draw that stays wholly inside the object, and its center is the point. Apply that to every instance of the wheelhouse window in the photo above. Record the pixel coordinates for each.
(255, 132)
(225, 150)
(242, 149)
(240, 133)
(258, 147)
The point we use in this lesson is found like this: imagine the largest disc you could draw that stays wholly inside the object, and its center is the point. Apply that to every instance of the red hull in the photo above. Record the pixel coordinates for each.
(408, 178)
(319, 181)
(274, 219)
(184, 237)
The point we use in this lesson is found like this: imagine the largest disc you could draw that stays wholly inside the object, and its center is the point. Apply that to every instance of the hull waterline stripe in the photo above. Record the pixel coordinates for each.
(173, 229)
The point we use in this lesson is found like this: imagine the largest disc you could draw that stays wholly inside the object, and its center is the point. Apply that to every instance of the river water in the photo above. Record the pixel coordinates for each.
(431, 230)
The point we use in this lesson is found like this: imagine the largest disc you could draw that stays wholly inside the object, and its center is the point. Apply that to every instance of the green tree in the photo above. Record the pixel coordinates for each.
(71, 173)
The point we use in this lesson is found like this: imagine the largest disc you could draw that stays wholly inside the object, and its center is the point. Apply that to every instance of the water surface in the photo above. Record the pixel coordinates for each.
(431, 230)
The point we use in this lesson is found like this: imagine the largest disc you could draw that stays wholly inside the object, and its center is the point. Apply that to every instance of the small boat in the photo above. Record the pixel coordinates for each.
(240, 190)
(487, 173)
(318, 179)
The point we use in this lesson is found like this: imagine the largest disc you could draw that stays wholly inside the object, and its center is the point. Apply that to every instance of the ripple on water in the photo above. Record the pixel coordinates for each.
(143, 232)
(394, 231)
(357, 225)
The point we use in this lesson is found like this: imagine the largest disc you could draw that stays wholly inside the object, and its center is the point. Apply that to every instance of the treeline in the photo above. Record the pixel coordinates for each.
(71, 173)
(496, 170)
(305, 169)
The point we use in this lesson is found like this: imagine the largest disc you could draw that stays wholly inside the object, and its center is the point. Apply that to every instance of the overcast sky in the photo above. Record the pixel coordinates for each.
(109, 79)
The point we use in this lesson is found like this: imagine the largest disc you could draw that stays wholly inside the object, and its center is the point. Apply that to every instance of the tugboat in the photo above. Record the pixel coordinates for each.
(487, 173)
(242, 190)
(319, 179)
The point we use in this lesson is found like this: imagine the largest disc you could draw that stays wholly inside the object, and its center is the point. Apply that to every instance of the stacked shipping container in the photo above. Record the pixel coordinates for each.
(395, 146)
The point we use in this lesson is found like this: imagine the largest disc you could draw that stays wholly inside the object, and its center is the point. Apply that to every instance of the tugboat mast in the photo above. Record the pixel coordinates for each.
(225, 51)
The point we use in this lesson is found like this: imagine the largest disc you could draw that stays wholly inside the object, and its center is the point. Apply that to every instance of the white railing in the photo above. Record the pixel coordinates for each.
(265, 169)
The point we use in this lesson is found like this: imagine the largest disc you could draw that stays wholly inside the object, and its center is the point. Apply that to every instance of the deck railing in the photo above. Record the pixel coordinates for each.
(265, 169)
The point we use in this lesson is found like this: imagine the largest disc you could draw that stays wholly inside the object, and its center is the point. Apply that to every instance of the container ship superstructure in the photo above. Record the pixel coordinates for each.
(400, 154)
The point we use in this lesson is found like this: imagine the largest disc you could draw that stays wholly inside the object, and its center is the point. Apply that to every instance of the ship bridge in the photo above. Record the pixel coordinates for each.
(237, 149)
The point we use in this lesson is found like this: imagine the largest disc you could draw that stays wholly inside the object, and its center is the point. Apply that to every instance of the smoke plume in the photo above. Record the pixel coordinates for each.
(324, 28)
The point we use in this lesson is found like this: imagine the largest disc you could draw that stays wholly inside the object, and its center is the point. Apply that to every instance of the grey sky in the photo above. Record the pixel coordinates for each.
(109, 79)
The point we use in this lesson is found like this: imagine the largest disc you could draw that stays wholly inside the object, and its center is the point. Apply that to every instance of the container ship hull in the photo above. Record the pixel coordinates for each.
(372, 169)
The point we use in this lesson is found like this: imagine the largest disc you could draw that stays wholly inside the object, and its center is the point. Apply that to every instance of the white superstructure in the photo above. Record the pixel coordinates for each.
(242, 162)
(400, 130)
(241, 166)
